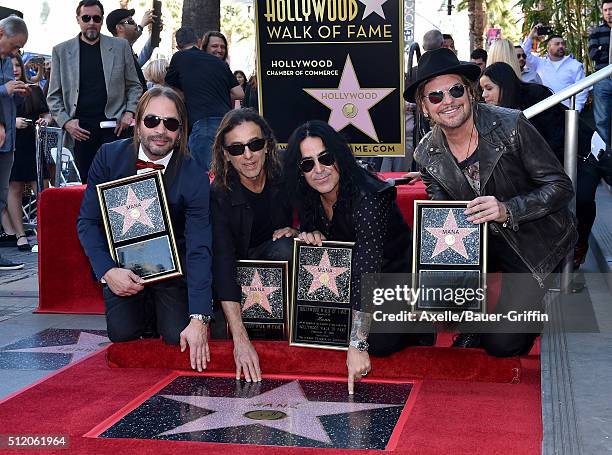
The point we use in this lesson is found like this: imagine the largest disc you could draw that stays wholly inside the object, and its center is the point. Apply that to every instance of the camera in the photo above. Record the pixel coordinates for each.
(37, 60)
(544, 30)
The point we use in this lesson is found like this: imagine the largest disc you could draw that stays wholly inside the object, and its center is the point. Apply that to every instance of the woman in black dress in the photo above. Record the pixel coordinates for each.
(33, 110)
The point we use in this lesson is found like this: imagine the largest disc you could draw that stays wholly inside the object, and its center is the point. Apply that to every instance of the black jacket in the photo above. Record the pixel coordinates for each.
(232, 222)
(520, 170)
(353, 222)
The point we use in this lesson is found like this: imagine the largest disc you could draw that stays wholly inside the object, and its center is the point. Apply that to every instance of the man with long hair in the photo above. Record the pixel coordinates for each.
(251, 217)
(495, 159)
(182, 306)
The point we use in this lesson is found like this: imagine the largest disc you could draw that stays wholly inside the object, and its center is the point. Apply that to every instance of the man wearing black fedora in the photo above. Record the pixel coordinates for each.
(494, 158)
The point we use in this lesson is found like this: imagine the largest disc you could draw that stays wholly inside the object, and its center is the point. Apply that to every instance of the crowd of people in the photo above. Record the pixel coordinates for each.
(191, 116)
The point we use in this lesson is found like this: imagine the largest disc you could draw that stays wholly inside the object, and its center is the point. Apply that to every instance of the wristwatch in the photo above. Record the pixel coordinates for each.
(360, 345)
(139, 28)
(204, 319)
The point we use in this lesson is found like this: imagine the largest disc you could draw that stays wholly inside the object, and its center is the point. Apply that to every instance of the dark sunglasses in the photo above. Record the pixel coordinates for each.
(171, 124)
(456, 91)
(523, 56)
(128, 22)
(325, 158)
(238, 149)
(87, 18)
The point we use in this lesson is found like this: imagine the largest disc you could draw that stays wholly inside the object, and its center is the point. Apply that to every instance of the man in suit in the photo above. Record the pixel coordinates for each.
(182, 306)
(94, 87)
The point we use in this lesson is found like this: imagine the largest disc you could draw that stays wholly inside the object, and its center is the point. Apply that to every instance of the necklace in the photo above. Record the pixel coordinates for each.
(467, 153)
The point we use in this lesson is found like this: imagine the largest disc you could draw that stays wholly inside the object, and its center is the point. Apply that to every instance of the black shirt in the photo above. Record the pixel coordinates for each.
(205, 80)
(92, 86)
(260, 204)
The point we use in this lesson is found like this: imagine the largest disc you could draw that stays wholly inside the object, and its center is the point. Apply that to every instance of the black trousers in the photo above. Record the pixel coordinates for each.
(127, 318)
(589, 176)
(85, 151)
(520, 292)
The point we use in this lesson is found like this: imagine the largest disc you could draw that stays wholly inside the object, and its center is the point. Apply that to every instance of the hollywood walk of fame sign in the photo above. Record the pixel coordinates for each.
(265, 296)
(138, 226)
(449, 258)
(340, 61)
(273, 412)
(320, 310)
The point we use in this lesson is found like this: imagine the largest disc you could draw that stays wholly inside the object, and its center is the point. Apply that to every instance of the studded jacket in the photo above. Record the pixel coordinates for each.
(519, 169)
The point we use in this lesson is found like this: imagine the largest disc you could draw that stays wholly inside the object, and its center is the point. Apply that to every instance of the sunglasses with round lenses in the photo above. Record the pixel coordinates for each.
(128, 22)
(456, 91)
(171, 124)
(324, 158)
(238, 149)
(87, 18)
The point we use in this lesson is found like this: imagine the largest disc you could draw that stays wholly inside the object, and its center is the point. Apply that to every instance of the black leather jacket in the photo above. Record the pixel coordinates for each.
(519, 169)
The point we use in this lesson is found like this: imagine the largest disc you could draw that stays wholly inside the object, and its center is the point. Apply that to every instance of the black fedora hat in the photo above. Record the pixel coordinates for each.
(437, 63)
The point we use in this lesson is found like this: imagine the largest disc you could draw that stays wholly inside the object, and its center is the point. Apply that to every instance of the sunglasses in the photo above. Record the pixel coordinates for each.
(170, 123)
(456, 91)
(87, 18)
(238, 149)
(523, 56)
(128, 22)
(325, 158)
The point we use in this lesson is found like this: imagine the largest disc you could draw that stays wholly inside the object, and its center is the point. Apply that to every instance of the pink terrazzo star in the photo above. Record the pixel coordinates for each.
(134, 211)
(324, 274)
(450, 236)
(257, 294)
(349, 103)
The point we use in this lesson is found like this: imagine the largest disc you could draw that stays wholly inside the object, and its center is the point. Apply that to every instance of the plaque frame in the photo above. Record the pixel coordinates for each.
(326, 245)
(283, 266)
(418, 266)
(165, 234)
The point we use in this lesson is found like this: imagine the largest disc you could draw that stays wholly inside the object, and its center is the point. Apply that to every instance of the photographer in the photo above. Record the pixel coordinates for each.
(557, 69)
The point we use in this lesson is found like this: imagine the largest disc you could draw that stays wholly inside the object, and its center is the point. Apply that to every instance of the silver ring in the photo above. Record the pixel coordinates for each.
(364, 374)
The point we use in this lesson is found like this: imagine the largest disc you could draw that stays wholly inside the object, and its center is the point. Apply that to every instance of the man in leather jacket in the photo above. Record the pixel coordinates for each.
(494, 158)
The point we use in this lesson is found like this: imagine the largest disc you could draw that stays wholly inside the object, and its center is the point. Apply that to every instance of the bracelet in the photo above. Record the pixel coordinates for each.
(507, 222)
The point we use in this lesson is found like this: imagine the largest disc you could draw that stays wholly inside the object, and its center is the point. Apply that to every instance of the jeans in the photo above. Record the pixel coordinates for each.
(602, 108)
(202, 138)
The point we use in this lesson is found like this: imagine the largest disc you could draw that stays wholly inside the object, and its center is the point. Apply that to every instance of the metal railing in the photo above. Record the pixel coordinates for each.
(571, 142)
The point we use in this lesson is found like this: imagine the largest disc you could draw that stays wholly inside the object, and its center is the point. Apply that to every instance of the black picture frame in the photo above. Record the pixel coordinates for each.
(145, 242)
(320, 309)
(265, 317)
(447, 256)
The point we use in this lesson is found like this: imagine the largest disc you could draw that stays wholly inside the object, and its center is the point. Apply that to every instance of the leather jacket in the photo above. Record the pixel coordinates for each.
(519, 169)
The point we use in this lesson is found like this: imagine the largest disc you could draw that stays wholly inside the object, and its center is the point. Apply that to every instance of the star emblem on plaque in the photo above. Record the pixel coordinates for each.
(274, 412)
(449, 257)
(350, 104)
(264, 303)
(138, 227)
(321, 294)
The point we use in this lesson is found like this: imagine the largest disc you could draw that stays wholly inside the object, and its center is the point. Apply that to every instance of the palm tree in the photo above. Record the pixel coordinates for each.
(201, 15)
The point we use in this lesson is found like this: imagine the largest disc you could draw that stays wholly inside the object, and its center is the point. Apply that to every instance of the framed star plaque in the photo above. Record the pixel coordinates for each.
(320, 313)
(265, 297)
(138, 227)
(449, 258)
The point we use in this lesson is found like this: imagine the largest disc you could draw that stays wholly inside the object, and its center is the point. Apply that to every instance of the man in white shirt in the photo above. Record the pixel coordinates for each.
(557, 69)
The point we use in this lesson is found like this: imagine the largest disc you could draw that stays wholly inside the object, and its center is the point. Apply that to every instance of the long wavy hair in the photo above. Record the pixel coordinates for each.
(222, 168)
(352, 176)
(181, 109)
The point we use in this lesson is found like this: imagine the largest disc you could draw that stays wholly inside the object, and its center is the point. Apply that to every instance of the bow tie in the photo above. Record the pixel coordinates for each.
(141, 164)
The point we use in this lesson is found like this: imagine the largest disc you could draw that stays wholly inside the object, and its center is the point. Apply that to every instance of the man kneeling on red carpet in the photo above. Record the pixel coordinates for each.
(182, 306)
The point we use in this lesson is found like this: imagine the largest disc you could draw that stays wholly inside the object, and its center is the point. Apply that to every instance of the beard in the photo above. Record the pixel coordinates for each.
(91, 34)
(457, 120)
(148, 144)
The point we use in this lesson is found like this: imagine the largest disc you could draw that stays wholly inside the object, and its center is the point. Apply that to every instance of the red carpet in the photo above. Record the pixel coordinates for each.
(279, 357)
(65, 281)
(449, 417)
